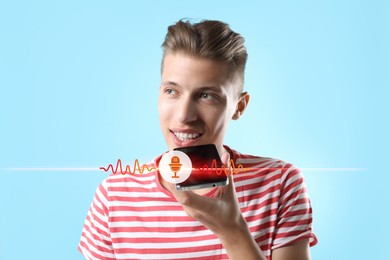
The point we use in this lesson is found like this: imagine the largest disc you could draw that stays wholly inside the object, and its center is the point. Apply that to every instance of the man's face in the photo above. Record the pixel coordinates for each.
(196, 101)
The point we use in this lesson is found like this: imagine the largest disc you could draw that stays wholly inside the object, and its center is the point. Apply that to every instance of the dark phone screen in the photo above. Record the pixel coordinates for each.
(206, 165)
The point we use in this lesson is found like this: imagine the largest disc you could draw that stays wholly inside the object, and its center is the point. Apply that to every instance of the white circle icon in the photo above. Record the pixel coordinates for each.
(175, 166)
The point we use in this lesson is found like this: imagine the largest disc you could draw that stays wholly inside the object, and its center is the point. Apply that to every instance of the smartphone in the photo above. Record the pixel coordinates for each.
(207, 170)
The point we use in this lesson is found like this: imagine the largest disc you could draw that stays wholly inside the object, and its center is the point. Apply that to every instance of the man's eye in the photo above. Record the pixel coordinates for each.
(170, 91)
(205, 95)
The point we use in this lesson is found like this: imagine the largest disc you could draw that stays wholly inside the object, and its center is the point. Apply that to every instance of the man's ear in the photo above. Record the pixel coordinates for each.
(241, 105)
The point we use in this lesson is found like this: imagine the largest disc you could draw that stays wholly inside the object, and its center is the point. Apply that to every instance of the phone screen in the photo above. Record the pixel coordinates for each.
(206, 168)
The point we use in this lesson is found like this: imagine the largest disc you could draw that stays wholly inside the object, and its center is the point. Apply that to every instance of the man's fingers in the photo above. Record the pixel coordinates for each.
(193, 200)
(228, 190)
(225, 158)
(204, 204)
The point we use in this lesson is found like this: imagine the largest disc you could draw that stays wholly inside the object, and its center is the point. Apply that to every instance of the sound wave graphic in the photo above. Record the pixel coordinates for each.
(218, 170)
(128, 170)
(141, 168)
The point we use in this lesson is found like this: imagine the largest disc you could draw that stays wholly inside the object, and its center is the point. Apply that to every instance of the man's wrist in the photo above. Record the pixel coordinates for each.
(236, 231)
(239, 243)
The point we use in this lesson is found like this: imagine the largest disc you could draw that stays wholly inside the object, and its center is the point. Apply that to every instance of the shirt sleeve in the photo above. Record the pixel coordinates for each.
(95, 242)
(294, 218)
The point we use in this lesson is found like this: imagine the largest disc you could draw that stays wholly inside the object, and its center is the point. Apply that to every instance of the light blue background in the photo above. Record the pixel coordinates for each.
(79, 83)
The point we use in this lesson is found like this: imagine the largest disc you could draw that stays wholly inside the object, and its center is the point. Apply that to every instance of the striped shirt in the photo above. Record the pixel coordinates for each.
(133, 217)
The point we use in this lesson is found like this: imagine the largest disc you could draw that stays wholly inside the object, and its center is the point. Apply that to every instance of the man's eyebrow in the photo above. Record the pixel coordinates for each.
(202, 88)
(213, 88)
(169, 83)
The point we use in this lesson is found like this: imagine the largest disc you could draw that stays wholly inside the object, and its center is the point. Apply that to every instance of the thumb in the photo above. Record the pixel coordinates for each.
(227, 191)
(225, 158)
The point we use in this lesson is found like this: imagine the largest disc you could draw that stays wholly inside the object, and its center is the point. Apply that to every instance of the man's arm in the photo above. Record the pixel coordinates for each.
(297, 251)
(223, 217)
(241, 245)
(232, 229)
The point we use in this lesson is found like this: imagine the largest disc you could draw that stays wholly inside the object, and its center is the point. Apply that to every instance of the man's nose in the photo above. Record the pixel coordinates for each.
(186, 110)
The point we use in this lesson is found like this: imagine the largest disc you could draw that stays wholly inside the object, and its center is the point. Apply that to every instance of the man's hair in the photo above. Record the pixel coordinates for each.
(209, 39)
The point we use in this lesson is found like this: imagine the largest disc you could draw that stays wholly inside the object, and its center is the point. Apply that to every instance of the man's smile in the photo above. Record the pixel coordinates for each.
(185, 137)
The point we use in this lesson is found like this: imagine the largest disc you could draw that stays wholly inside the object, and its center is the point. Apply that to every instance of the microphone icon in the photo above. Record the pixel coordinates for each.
(175, 166)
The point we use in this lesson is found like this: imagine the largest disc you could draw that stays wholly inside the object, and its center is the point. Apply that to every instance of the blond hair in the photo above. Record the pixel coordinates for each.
(209, 39)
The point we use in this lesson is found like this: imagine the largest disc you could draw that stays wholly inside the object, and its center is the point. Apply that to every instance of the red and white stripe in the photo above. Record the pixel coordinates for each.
(134, 217)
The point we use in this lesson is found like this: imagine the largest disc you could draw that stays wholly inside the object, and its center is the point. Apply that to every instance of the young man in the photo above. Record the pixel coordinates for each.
(263, 213)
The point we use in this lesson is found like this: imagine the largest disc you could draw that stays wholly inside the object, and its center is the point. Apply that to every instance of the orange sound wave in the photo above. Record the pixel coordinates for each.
(218, 171)
(141, 168)
(136, 167)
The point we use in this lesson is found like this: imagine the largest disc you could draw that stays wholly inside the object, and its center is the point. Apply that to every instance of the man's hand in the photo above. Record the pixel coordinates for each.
(221, 214)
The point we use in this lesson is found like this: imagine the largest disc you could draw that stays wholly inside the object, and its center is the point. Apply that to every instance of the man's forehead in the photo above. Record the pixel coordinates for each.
(198, 73)
(169, 83)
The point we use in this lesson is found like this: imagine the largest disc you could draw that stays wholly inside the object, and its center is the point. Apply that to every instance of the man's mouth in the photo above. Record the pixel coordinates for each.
(186, 136)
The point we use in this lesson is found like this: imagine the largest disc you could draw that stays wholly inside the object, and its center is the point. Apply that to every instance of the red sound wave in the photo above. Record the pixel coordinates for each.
(141, 168)
(136, 167)
(218, 171)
